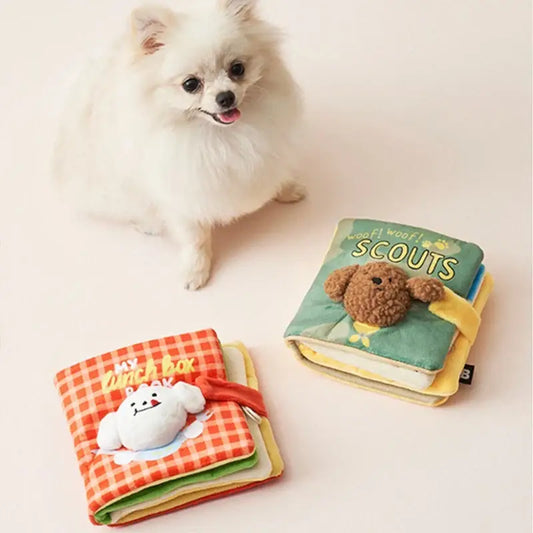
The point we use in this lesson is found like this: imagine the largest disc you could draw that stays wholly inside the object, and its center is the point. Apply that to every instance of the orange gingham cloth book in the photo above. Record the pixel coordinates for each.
(230, 452)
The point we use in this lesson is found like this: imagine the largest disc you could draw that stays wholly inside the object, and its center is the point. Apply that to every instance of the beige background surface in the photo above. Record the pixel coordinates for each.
(418, 112)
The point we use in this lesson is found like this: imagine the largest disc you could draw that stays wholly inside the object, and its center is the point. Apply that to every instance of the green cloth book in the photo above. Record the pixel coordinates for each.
(412, 351)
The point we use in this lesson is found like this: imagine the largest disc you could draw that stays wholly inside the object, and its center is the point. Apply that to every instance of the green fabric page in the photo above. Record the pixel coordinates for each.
(421, 339)
(103, 515)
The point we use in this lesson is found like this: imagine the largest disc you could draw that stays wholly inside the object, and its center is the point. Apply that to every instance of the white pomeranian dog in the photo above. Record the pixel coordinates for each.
(188, 122)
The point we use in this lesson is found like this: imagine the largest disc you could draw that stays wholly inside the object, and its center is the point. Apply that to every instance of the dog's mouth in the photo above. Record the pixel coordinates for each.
(226, 118)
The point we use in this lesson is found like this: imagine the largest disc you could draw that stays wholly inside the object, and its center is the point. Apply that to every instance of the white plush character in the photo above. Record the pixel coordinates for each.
(150, 417)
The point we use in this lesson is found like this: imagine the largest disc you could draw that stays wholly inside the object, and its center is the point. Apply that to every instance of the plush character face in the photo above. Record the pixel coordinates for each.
(150, 417)
(378, 293)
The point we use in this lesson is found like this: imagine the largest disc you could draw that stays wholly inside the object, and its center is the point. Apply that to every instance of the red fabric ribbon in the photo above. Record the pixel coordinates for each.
(221, 390)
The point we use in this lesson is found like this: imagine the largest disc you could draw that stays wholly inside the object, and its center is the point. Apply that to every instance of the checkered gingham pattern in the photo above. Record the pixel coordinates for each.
(225, 437)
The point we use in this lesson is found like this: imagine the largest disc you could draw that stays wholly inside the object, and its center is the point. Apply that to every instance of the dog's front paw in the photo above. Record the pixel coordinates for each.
(291, 192)
(196, 270)
(196, 280)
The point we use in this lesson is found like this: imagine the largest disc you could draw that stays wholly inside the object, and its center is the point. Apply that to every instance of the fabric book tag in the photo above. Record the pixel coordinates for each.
(467, 375)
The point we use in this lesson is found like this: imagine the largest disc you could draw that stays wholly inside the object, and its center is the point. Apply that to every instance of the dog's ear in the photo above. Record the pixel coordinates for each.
(242, 9)
(337, 282)
(426, 290)
(190, 397)
(149, 25)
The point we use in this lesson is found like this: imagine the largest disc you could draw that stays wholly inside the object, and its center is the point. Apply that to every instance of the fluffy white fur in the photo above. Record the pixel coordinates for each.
(135, 146)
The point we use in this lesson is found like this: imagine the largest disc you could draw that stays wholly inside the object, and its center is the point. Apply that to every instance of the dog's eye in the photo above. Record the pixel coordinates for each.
(191, 85)
(237, 69)
(390, 280)
(154, 394)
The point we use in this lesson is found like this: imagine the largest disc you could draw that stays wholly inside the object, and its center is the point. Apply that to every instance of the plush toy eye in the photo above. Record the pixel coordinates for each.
(191, 85)
(145, 402)
(154, 394)
(133, 404)
(237, 69)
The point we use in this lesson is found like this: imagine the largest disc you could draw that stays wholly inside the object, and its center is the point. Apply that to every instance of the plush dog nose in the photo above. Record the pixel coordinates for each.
(154, 403)
(377, 281)
(225, 99)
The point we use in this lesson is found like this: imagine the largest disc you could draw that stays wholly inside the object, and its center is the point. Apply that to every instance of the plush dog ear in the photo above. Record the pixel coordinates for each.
(337, 282)
(426, 290)
(242, 9)
(190, 397)
(149, 26)
(108, 437)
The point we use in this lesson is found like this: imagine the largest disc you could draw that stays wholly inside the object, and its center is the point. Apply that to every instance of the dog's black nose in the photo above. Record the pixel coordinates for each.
(377, 281)
(225, 99)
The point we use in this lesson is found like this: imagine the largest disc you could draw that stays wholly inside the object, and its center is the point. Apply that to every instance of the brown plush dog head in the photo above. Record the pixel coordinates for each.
(378, 293)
